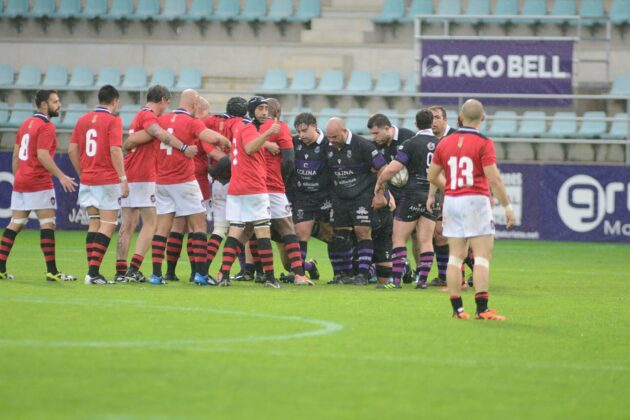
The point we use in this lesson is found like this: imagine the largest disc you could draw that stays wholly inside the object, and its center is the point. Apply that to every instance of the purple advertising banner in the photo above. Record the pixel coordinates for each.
(497, 66)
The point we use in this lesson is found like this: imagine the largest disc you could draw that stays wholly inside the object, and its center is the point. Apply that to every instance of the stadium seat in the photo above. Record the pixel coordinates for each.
(82, 77)
(475, 8)
(108, 76)
(521, 152)
(42, 9)
(388, 82)
(499, 151)
(621, 85)
(502, 9)
(29, 77)
(189, 78)
(331, 81)
(533, 8)
(164, 76)
(55, 77)
(16, 9)
(563, 125)
(147, 10)
(280, 11)
(227, 10)
(591, 13)
(275, 79)
(135, 79)
(410, 120)
(4, 113)
(325, 114)
(294, 112)
(618, 128)
(72, 114)
(620, 12)
(303, 80)
(6, 75)
(120, 10)
(68, 9)
(393, 11)
(392, 114)
(200, 10)
(503, 124)
(174, 10)
(446, 7)
(254, 10)
(360, 81)
(127, 113)
(533, 124)
(410, 83)
(580, 152)
(418, 7)
(550, 152)
(19, 112)
(593, 125)
(562, 8)
(95, 9)
(357, 120)
(306, 11)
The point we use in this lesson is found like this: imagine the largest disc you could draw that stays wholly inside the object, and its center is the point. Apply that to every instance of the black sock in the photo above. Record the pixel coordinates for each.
(481, 299)
(47, 244)
(458, 305)
(99, 248)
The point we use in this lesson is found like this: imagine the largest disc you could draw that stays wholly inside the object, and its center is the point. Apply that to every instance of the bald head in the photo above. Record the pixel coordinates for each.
(188, 100)
(336, 131)
(472, 113)
(203, 108)
(275, 109)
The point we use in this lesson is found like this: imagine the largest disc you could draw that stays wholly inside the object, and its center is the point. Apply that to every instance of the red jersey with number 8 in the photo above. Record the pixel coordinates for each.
(174, 167)
(140, 163)
(37, 132)
(463, 155)
(95, 133)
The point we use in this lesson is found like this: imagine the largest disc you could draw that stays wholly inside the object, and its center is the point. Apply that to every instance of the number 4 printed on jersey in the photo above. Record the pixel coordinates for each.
(461, 172)
(167, 147)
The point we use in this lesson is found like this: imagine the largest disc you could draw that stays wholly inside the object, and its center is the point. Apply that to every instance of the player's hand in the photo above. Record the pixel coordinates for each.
(124, 189)
(224, 143)
(392, 203)
(430, 203)
(274, 129)
(272, 148)
(379, 201)
(67, 183)
(191, 152)
(510, 219)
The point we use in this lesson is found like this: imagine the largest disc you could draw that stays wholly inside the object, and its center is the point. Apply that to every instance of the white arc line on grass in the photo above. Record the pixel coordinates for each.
(326, 327)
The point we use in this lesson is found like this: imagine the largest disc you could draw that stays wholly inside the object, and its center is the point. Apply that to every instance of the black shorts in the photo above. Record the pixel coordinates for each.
(412, 206)
(355, 211)
(311, 207)
(382, 229)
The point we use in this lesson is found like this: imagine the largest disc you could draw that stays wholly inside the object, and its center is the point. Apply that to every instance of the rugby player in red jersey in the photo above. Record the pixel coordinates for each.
(33, 168)
(468, 161)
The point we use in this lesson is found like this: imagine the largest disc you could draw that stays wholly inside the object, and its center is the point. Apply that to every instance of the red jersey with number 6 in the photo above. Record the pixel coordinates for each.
(95, 133)
(174, 167)
(463, 155)
(140, 163)
(275, 183)
(37, 132)
(248, 171)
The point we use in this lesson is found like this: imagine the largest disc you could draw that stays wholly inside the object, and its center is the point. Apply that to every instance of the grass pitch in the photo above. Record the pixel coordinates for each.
(69, 350)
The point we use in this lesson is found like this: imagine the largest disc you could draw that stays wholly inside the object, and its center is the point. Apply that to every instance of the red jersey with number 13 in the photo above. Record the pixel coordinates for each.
(140, 163)
(463, 155)
(37, 132)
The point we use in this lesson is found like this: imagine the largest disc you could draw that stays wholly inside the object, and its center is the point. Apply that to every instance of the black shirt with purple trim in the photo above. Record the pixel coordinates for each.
(416, 154)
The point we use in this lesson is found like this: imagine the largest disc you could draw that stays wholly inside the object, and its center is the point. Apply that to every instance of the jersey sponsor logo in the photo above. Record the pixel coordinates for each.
(317, 149)
(330, 154)
(374, 153)
(52, 200)
(349, 154)
(305, 157)
(431, 146)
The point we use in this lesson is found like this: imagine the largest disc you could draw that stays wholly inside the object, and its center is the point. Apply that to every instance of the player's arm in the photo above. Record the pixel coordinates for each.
(437, 180)
(288, 163)
(115, 152)
(170, 140)
(137, 138)
(271, 147)
(254, 145)
(212, 137)
(386, 174)
(498, 188)
(14, 159)
(67, 183)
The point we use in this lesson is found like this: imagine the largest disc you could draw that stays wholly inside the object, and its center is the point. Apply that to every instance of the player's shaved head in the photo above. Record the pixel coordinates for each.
(336, 131)
(275, 109)
(472, 112)
(203, 109)
(189, 99)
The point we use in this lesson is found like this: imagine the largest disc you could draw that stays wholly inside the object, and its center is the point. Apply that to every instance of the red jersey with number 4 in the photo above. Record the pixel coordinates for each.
(463, 155)
(275, 183)
(95, 133)
(140, 163)
(37, 132)
(174, 167)
(248, 171)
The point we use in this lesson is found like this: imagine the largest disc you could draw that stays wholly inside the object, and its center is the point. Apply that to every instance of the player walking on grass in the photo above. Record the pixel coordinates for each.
(34, 167)
(468, 160)
(96, 154)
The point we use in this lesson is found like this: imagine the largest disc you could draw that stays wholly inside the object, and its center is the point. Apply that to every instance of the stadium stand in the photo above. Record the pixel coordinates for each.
(29, 77)
(392, 114)
(563, 125)
(6, 75)
(392, 12)
(593, 125)
(254, 11)
(71, 115)
(620, 12)
(618, 128)
(4, 112)
(42, 9)
(20, 112)
(189, 78)
(200, 10)
(82, 78)
(275, 80)
(446, 7)
(360, 81)
(227, 10)
(389, 81)
(56, 77)
(135, 79)
(621, 85)
(357, 119)
(503, 124)
(108, 76)
(303, 80)
(503, 9)
(307, 10)
(331, 81)
(174, 11)
(16, 9)
(280, 11)
(592, 13)
(475, 8)
(163, 76)
(533, 124)
(533, 8)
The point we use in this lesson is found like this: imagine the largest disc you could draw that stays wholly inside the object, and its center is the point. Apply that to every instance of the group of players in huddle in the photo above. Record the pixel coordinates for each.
(258, 183)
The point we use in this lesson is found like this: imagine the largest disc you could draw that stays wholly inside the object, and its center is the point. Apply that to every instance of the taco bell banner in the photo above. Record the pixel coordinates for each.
(495, 66)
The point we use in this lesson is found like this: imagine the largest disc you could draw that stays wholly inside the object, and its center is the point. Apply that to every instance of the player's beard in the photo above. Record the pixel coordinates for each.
(52, 114)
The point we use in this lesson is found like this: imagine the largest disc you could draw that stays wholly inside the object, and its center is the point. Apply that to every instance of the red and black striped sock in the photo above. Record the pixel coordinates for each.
(158, 245)
(99, 248)
(230, 249)
(136, 262)
(253, 248)
(199, 252)
(89, 239)
(190, 252)
(214, 243)
(8, 238)
(173, 251)
(457, 304)
(47, 244)
(292, 248)
(481, 299)
(121, 266)
(265, 253)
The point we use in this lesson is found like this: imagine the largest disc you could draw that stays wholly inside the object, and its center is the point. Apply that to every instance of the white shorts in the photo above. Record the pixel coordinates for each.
(248, 208)
(36, 200)
(141, 194)
(103, 197)
(182, 199)
(219, 198)
(280, 207)
(467, 216)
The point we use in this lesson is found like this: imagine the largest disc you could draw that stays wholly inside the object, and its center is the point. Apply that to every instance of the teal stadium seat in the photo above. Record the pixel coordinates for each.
(621, 85)
(418, 7)
(503, 9)
(306, 11)
(16, 9)
(95, 9)
(174, 10)
(533, 8)
(410, 83)
(56, 77)
(303, 80)
(533, 124)
(200, 10)
(325, 114)
(147, 10)
(6, 75)
(72, 114)
(29, 77)
(42, 9)
(127, 113)
(620, 12)
(275, 79)
(475, 8)
(164, 76)
(81, 78)
(503, 124)
(392, 12)
(360, 81)
(20, 112)
(618, 128)
(410, 120)
(4, 113)
(189, 78)
(592, 13)
(446, 7)
(563, 125)
(254, 11)
(120, 10)
(593, 125)
(135, 79)
(108, 76)
(388, 82)
(68, 9)
(562, 8)
(227, 10)
(357, 120)
(391, 114)
(281, 11)
(331, 81)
